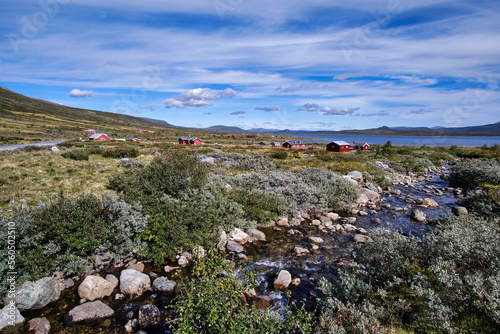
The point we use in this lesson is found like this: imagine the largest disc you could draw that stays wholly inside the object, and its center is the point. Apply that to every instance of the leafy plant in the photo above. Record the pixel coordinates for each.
(78, 154)
(120, 152)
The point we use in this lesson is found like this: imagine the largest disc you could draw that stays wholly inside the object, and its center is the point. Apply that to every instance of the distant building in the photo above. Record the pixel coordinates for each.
(150, 132)
(294, 144)
(276, 144)
(132, 139)
(89, 131)
(189, 141)
(338, 146)
(360, 146)
(138, 131)
(99, 137)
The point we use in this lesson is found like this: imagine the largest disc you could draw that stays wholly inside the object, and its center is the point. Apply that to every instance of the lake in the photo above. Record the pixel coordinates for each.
(406, 140)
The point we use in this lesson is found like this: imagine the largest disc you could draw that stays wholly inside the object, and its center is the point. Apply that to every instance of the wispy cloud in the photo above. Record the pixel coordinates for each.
(268, 109)
(238, 113)
(81, 93)
(418, 112)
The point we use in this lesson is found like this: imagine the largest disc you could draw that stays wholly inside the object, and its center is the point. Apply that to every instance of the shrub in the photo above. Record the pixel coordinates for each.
(213, 302)
(446, 282)
(78, 154)
(120, 152)
(282, 155)
(469, 174)
(239, 161)
(63, 234)
(257, 205)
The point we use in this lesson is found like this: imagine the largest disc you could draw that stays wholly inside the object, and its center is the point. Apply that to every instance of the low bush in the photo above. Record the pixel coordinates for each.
(78, 154)
(447, 282)
(62, 235)
(120, 152)
(469, 174)
(282, 155)
(213, 302)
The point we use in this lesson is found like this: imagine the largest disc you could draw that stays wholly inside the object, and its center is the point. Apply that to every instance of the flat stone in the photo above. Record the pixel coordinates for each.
(164, 285)
(90, 311)
(233, 246)
(316, 240)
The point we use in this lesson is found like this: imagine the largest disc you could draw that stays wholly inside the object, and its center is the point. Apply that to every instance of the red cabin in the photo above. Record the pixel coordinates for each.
(360, 146)
(338, 146)
(189, 141)
(100, 137)
(138, 131)
(132, 139)
(89, 131)
(294, 144)
(150, 132)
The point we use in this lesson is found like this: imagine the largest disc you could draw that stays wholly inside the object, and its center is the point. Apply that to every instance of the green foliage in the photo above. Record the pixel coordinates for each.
(469, 174)
(63, 234)
(239, 161)
(257, 205)
(120, 152)
(448, 282)
(78, 154)
(484, 202)
(213, 302)
(282, 155)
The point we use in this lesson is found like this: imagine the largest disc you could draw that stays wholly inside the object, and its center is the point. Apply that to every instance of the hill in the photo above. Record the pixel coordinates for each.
(27, 117)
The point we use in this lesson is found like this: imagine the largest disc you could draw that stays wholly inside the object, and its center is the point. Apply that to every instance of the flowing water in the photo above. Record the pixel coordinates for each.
(266, 259)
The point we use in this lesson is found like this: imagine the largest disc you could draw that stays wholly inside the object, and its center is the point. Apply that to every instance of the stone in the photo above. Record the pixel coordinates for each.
(95, 287)
(362, 199)
(38, 294)
(371, 187)
(133, 283)
(38, 326)
(294, 221)
(182, 261)
(199, 252)
(239, 236)
(139, 266)
(316, 222)
(316, 240)
(10, 316)
(299, 251)
(90, 311)
(169, 269)
(283, 280)
(283, 221)
(373, 196)
(361, 239)
(355, 175)
(430, 202)
(256, 235)
(348, 220)
(164, 285)
(363, 213)
(55, 149)
(295, 282)
(362, 230)
(235, 247)
(221, 245)
(262, 302)
(333, 216)
(149, 316)
(459, 210)
(350, 228)
(68, 283)
(417, 215)
(131, 326)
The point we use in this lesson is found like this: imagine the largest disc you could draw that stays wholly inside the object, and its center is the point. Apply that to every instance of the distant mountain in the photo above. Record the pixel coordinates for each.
(223, 128)
(409, 128)
(160, 122)
(488, 128)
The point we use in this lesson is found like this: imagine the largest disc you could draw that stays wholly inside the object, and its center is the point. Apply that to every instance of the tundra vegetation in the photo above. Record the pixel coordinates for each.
(172, 198)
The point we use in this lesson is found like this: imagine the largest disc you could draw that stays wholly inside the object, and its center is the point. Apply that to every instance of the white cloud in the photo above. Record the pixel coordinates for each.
(310, 107)
(198, 97)
(238, 113)
(81, 93)
(338, 111)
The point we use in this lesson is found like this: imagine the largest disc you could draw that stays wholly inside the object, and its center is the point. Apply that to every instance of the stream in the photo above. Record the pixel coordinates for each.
(266, 259)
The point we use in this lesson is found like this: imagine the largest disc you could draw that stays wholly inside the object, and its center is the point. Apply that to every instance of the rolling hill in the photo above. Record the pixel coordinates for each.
(27, 117)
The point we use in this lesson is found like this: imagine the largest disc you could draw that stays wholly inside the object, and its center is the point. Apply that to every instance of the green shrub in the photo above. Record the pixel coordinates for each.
(61, 235)
(78, 154)
(469, 174)
(212, 302)
(281, 155)
(257, 205)
(448, 282)
(120, 152)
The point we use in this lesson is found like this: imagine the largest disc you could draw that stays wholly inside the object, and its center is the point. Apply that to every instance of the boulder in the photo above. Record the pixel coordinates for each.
(262, 302)
(283, 221)
(95, 287)
(221, 245)
(139, 266)
(417, 215)
(233, 246)
(182, 261)
(149, 316)
(430, 202)
(38, 294)
(134, 283)
(55, 149)
(373, 196)
(355, 175)
(39, 326)
(283, 280)
(316, 222)
(10, 316)
(361, 239)
(362, 199)
(164, 285)
(112, 279)
(256, 235)
(333, 216)
(239, 236)
(316, 240)
(459, 210)
(90, 311)
(348, 220)
(350, 228)
(299, 251)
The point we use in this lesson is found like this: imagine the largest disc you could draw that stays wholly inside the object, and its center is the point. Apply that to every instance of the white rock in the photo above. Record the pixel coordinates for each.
(10, 316)
(282, 281)
(239, 236)
(95, 287)
(134, 283)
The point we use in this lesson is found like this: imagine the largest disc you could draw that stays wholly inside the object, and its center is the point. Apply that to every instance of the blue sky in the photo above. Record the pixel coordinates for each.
(318, 64)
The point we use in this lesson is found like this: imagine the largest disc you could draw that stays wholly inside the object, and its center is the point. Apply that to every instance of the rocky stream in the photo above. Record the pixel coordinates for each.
(289, 256)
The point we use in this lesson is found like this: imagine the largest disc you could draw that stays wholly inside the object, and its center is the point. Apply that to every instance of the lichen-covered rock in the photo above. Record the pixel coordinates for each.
(164, 285)
(35, 295)
(39, 326)
(459, 210)
(10, 316)
(134, 283)
(233, 246)
(418, 215)
(239, 236)
(89, 311)
(256, 235)
(149, 316)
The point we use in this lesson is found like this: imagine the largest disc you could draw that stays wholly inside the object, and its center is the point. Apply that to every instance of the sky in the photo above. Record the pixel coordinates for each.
(274, 64)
